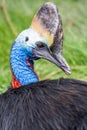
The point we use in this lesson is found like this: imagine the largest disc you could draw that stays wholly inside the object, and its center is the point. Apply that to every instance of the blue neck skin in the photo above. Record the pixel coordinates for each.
(23, 73)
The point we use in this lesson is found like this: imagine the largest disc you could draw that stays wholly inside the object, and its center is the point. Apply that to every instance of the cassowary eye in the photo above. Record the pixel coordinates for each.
(26, 39)
(40, 45)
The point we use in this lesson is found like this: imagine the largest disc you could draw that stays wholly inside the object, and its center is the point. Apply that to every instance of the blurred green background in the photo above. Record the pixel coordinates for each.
(16, 15)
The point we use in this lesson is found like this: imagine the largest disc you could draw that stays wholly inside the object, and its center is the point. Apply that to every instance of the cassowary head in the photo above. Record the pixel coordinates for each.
(47, 22)
(44, 39)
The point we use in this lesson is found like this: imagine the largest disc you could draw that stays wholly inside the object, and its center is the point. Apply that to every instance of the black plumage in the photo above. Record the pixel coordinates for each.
(48, 105)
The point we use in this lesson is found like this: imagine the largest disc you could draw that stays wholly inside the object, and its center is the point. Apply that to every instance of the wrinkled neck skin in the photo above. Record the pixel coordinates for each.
(22, 67)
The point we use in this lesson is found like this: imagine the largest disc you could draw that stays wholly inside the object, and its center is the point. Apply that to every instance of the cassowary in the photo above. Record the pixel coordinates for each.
(30, 104)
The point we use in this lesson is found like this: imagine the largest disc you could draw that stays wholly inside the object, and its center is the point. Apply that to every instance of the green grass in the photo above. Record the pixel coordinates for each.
(74, 17)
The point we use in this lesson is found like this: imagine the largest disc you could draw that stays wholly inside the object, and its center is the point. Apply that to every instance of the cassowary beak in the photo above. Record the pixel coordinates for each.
(58, 59)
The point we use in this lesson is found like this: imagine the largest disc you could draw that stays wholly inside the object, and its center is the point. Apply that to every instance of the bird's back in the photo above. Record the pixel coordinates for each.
(47, 105)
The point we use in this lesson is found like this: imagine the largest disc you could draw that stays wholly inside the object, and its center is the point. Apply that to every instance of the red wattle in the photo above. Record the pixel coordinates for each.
(15, 82)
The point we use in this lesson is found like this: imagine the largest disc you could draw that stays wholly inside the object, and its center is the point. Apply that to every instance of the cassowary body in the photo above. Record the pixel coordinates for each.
(42, 105)
(47, 105)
